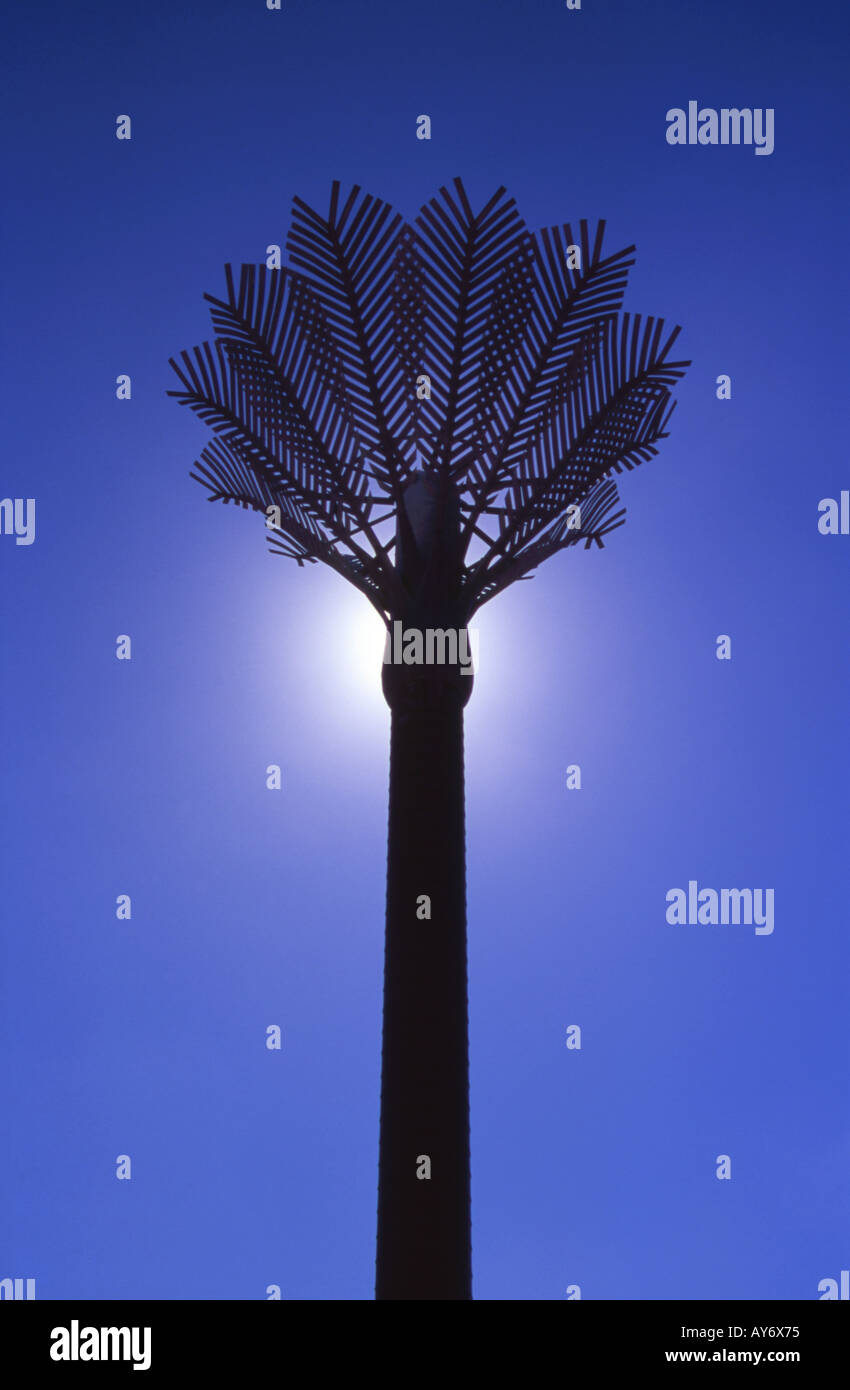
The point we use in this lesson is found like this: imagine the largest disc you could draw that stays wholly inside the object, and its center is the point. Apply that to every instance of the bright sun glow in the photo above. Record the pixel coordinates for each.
(342, 622)
(359, 639)
(359, 643)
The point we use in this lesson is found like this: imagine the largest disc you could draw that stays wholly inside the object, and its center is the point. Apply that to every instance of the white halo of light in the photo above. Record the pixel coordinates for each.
(360, 649)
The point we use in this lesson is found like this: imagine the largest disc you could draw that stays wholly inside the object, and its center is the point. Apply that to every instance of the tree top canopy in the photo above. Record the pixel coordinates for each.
(493, 360)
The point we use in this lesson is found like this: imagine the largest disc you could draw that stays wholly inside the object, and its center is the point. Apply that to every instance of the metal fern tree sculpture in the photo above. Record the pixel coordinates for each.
(432, 409)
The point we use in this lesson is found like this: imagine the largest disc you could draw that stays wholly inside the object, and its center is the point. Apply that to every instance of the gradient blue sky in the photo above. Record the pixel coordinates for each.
(251, 907)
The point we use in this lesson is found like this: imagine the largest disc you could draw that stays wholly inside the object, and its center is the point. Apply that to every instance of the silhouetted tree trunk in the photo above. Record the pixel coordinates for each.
(424, 1222)
(423, 1182)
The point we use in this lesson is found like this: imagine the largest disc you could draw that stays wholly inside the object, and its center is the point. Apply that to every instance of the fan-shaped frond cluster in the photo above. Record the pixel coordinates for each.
(465, 346)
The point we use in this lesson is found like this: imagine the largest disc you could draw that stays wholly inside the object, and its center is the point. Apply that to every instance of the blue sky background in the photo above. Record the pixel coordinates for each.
(253, 907)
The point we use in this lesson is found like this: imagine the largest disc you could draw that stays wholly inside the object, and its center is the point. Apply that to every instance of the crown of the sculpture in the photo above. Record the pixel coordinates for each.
(481, 371)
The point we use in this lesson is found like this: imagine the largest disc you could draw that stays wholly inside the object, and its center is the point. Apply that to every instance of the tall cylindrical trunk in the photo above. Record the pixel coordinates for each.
(423, 1184)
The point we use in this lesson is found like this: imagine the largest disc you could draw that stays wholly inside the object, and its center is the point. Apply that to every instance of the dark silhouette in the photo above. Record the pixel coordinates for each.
(432, 410)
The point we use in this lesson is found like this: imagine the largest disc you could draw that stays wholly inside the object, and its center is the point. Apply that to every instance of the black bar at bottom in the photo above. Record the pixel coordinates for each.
(210, 1339)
